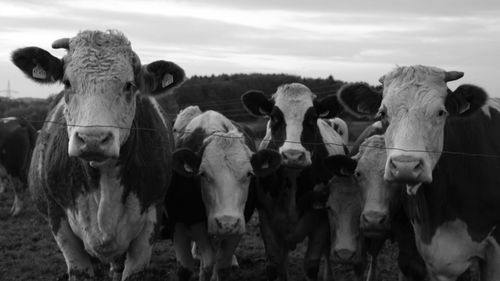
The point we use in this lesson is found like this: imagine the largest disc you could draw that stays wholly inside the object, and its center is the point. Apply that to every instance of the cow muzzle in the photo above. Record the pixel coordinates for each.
(407, 169)
(294, 158)
(93, 144)
(374, 223)
(226, 225)
(344, 256)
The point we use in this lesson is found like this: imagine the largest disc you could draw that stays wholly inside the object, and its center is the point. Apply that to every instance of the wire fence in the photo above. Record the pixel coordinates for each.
(280, 141)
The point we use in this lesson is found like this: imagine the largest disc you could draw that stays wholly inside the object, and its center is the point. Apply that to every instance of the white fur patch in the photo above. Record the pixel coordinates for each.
(104, 223)
(159, 110)
(211, 122)
(293, 100)
(267, 138)
(450, 251)
(334, 143)
(492, 103)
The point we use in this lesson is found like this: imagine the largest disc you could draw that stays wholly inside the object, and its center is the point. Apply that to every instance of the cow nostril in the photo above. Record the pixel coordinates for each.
(418, 166)
(382, 219)
(107, 138)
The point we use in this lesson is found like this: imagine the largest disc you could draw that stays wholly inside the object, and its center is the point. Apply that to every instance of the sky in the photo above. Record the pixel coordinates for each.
(351, 40)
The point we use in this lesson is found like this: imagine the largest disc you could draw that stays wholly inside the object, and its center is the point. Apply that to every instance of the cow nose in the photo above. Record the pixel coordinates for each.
(373, 219)
(293, 156)
(405, 168)
(345, 255)
(93, 139)
(93, 144)
(228, 225)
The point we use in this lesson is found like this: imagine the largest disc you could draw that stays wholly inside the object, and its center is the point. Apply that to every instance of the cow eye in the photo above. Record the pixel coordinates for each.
(129, 86)
(381, 114)
(442, 113)
(66, 83)
(357, 174)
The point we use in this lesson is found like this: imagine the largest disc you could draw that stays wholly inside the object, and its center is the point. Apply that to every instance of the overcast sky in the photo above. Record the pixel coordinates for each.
(351, 40)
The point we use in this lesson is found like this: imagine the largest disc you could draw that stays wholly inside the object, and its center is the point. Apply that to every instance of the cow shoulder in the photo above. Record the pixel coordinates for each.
(146, 156)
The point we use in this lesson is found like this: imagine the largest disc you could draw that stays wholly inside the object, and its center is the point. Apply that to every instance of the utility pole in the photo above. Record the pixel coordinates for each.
(8, 91)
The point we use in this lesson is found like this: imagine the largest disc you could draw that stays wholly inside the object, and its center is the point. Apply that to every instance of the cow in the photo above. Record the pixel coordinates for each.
(381, 214)
(17, 139)
(102, 162)
(442, 145)
(286, 198)
(212, 194)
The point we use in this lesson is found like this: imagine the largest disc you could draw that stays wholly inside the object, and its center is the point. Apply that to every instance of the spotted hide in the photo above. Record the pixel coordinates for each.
(102, 162)
(441, 146)
(288, 198)
(17, 139)
(212, 194)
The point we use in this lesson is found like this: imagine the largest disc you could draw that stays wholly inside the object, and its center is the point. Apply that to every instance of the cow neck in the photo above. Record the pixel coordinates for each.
(109, 198)
(464, 187)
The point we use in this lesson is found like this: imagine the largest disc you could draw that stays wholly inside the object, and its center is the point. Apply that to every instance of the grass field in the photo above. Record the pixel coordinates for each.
(28, 252)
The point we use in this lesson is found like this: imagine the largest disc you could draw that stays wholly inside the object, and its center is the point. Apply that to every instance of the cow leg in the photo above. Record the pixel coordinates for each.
(490, 269)
(410, 262)
(140, 249)
(225, 256)
(276, 251)
(372, 268)
(306, 223)
(182, 244)
(202, 239)
(77, 259)
(373, 246)
(319, 240)
(3, 179)
(116, 268)
(17, 186)
(327, 269)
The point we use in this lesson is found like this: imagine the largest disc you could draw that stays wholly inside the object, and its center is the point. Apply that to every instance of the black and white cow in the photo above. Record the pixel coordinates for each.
(443, 145)
(102, 162)
(212, 194)
(286, 198)
(17, 139)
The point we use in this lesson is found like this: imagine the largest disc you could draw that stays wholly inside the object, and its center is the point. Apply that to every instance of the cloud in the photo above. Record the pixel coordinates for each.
(352, 40)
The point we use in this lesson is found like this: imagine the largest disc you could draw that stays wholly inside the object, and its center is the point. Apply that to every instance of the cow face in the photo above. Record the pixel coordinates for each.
(344, 209)
(415, 104)
(293, 113)
(225, 172)
(367, 169)
(102, 77)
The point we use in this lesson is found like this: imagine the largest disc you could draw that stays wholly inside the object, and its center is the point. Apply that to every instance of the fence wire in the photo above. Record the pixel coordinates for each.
(280, 141)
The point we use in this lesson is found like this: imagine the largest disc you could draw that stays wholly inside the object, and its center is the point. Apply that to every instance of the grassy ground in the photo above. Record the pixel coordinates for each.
(28, 252)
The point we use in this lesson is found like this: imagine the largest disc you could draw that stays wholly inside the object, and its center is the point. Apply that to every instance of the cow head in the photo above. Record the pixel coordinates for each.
(344, 208)
(293, 112)
(183, 118)
(415, 104)
(225, 170)
(367, 169)
(102, 77)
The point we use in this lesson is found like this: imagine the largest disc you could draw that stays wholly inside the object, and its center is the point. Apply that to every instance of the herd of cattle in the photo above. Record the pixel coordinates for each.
(109, 172)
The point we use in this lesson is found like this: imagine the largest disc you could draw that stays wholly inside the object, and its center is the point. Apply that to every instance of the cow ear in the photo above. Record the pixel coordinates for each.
(256, 103)
(38, 64)
(160, 77)
(328, 107)
(465, 100)
(265, 162)
(360, 99)
(341, 165)
(186, 162)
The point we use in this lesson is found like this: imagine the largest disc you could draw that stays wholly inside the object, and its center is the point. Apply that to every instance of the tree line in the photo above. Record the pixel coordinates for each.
(216, 92)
